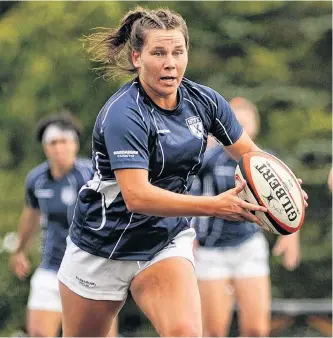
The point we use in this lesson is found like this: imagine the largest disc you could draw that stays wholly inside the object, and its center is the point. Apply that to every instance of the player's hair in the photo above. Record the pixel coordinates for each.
(113, 47)
(64, 121)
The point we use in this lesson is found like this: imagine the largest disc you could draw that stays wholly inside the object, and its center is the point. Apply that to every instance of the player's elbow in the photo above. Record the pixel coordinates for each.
(132, 206)
(135, 202)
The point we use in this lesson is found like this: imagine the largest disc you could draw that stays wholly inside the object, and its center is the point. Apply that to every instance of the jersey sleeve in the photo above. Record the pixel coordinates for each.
(30, 198)
(126, 139)
(225, 126)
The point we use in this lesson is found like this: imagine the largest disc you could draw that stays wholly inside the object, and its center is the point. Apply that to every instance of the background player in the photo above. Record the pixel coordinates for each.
(232, 257)
(50, 194)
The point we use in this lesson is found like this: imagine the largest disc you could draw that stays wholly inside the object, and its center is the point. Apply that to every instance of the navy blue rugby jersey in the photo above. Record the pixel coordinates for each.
(56, 201)
(131, 131)
(216, 176)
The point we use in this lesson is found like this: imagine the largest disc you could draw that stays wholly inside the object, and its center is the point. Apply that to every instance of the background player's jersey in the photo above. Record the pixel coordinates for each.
(56, 200)
(217, 176)
(132, 132)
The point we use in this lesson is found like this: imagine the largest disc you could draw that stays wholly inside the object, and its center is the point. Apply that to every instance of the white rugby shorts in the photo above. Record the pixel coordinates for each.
(44, 291)
(249, 259)
(100, 278)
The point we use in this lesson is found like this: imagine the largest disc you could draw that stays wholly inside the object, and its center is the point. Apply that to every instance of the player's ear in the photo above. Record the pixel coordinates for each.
(136, 59)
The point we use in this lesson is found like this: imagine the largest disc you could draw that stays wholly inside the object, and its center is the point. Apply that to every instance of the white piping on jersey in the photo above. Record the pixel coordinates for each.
(121, 235)
(109, 190)
(224, 130)
(107, 112)
(215, 105)
(103, 215)
(98, 171)
(82, 168)
(72, 182)
(202, 139)
(191, 103)
(159, 144)
(40, 169)
(137, 102)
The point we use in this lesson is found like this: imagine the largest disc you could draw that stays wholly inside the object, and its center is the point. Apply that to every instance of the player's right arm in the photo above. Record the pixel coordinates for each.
(28, 225)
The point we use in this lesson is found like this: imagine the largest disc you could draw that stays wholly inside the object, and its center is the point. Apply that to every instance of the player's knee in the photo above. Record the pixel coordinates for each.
(215, 332)
(256, 332)
(37, 331)
(183, 329)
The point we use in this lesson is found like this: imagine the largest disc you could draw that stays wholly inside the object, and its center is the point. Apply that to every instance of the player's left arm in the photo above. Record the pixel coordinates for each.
(243, 145)
(229, 132)
(289, 246)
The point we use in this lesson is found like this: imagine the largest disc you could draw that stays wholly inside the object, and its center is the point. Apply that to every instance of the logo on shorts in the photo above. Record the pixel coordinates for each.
(172, 244)
(194, 124)
(85, 282)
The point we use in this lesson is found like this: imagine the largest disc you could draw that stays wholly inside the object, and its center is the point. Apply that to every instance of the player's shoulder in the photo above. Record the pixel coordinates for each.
(82, 162)
(84, 167)
(198, 89)
(125, 103)
(37, 172)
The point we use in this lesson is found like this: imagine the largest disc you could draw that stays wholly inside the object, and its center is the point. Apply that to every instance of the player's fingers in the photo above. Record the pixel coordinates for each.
(239, 187)
(305, 195)
(251, 218)
(300, 180)
(253, 207)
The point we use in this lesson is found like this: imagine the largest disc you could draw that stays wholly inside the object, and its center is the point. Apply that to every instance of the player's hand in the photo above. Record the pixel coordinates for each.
(20, 264)
(305, 195)
(289, 247)
(230, 207)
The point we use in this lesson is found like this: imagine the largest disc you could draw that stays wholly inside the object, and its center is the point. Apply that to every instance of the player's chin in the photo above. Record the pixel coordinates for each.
(167, 90)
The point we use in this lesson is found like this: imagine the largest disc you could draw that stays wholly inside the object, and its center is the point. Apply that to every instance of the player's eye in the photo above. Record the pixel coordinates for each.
(158, 53)
(178, 52)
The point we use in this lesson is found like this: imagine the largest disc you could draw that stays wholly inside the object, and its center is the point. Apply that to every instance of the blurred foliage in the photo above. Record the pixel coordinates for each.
(278, 54)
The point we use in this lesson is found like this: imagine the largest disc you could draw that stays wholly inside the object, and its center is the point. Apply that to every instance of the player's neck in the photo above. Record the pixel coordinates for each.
(58, 172)
(168, 102)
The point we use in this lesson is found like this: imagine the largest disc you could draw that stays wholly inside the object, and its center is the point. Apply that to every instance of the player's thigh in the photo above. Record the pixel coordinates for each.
(84, 317)
(167, 292)
(254, 301)
(217, 302)
(43, 323)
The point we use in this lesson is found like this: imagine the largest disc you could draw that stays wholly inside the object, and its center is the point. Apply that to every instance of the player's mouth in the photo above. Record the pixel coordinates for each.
(168, 79)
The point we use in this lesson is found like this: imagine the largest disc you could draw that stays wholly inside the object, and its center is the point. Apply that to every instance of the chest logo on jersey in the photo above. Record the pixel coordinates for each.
(195, 126)
(44, 193)
(68, 195)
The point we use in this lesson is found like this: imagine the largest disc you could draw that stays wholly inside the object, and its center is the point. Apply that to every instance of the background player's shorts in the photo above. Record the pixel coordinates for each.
(100, 278)
(44, 291)
(250, 259)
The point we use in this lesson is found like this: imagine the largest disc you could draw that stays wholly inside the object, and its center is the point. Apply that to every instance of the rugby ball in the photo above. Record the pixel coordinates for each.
(272, 184)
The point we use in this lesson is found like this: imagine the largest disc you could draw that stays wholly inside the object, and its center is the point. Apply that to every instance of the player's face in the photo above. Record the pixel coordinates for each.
(161, 65)
(61, 152)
